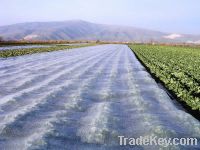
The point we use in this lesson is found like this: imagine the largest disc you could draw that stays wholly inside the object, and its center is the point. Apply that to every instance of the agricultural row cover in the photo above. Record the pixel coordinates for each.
(83, 99)
(3, 48)
(25, 50)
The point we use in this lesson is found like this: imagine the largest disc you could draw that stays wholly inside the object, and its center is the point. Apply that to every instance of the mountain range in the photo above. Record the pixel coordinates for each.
(83, 30)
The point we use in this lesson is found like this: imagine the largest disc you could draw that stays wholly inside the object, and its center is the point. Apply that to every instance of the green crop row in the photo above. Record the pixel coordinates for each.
(177, 67)
(25, 51)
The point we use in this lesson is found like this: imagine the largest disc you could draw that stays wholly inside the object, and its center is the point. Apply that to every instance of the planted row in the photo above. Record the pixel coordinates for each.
(177, 67)
(25, 51)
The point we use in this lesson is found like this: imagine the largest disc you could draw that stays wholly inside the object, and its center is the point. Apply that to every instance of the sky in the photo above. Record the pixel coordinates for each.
(173, 16)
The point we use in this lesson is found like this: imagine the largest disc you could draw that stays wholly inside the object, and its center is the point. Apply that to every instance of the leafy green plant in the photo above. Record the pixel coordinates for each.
(177, 67)
(19, 52)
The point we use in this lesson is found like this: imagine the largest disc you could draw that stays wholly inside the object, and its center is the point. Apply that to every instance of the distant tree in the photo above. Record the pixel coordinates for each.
(97, 41)
(152, 42)
(1, 38)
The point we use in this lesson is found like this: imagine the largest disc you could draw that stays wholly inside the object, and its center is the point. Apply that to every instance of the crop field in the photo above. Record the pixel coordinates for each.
(178, 67)
(83, 99)
(4, 48)
(11, 51)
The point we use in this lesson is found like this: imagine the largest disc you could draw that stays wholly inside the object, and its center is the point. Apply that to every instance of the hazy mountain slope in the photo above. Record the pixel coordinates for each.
(48, 30)
(82, 30)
